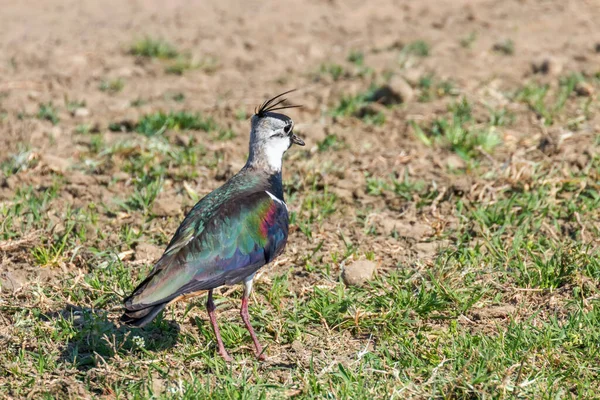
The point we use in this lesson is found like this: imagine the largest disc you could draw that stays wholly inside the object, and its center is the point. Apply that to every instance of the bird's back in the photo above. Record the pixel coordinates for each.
(227, 236)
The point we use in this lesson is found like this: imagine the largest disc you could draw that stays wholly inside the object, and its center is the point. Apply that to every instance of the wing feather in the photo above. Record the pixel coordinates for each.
(242, 236)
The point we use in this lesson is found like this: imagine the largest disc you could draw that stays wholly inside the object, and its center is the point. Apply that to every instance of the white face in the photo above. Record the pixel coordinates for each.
(274, 148)
(270, 138)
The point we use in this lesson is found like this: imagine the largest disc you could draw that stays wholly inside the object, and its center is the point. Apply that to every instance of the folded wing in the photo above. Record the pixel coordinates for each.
(241, 236)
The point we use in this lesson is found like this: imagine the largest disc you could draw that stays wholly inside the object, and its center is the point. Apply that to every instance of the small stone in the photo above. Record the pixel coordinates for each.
(358, 272)
(584, 89)
(165, 207)
(81, 112)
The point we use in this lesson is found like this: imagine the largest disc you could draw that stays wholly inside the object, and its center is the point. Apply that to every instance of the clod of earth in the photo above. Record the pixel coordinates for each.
(396, 91)
(358, 273)
(493, 312)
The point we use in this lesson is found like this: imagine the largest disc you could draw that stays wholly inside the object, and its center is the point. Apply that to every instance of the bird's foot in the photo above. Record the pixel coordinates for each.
(261, 356)
(223, 353)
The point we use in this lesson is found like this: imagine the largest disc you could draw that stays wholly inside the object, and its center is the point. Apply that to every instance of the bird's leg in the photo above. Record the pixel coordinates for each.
(246, 316)
(210, 307)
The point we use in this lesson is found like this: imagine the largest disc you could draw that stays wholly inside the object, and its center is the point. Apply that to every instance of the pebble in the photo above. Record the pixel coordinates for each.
(358, 273)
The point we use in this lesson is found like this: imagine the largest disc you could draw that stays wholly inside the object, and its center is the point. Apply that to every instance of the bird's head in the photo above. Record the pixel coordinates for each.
(272, 134)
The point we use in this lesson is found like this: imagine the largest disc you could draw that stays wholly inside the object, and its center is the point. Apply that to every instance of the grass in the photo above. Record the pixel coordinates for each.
(358, 106)
(335, 71)
(468, 41)
(154, 48)
(412, 329)
(186, 63)
(331, 142)
(459, 133)
(533, 353)
(22, 160)
(355, 68)
(143, 197)
(357, 58)
(48, 112)
(549, 102)
(155, 124)
(418, 48)
(432, 88)
(506, 47)
(73, 105)
(112, 86)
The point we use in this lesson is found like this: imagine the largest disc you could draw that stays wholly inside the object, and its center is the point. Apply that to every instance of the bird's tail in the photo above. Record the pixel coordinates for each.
(140, 318)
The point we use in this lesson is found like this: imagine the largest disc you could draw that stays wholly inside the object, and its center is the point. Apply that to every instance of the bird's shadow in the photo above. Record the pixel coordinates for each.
(93, 338)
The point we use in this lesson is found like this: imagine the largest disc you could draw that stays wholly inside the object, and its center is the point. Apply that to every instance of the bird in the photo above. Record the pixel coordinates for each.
(229, 234)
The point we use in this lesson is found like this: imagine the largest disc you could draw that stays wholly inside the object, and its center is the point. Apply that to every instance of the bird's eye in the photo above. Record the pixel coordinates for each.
(287, 128)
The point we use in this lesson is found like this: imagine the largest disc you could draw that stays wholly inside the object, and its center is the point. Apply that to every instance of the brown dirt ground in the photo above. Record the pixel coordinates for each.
(64, 49)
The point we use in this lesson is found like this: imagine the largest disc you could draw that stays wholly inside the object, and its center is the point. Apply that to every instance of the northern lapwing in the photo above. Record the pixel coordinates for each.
(229, 234)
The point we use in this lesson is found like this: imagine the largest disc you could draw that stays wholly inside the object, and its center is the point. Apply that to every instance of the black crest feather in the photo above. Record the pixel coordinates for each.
(274, 104)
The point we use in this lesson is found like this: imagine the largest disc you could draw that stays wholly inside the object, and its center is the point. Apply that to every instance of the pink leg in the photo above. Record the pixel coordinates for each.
(246, 318)
(210, 307)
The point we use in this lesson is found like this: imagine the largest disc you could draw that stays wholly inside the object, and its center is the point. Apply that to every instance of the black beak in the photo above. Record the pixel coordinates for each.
(297, 140)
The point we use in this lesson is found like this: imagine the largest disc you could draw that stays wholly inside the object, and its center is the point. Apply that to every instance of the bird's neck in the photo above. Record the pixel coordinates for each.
(268, 180)
(267, 158)
(276, 185)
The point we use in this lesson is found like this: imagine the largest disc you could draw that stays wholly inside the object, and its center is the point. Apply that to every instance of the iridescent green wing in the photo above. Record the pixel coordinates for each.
(242, 235)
